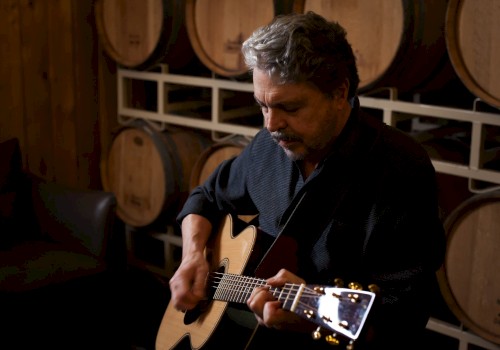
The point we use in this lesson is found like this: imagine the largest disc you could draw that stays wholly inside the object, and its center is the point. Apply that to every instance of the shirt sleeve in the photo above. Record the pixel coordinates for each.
(224, 191)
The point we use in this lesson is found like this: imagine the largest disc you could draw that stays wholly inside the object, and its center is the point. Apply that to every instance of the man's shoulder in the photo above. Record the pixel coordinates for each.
(391, 136)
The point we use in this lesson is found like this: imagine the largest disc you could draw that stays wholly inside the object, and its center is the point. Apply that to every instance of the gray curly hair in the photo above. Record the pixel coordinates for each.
(303, 47)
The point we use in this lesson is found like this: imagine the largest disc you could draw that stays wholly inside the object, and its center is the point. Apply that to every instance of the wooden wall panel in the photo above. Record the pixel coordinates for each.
(52, 88)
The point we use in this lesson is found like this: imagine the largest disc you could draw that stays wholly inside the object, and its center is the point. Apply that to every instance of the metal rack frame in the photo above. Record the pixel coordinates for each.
(390, 107)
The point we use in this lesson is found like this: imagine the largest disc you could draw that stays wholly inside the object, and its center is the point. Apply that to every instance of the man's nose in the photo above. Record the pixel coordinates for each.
(274, 119)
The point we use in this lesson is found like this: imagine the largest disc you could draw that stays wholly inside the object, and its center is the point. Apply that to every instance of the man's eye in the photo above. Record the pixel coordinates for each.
(291, 109)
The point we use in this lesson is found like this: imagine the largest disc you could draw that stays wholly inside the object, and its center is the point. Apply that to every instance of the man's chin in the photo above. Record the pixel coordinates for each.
(294, 156)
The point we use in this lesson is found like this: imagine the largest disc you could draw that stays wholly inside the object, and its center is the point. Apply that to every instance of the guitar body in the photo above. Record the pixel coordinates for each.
(218, 322)
(228, 253)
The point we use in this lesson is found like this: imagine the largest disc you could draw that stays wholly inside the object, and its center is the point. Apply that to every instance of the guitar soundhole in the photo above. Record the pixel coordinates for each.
(192, 315)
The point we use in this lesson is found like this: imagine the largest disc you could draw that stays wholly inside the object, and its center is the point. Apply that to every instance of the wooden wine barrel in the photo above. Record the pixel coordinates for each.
(397, 44)
(139, 34)
(217, 29)
(211, 158)
(473, 41)
(469, 279)
(149, 171)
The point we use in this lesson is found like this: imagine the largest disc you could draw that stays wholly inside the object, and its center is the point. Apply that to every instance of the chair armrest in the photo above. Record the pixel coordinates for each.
(81, 217)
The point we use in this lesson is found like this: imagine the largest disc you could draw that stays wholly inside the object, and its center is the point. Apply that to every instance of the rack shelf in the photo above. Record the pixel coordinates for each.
(393, 110)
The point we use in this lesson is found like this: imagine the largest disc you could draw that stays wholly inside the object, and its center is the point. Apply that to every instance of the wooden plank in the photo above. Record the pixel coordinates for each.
(35, 62)
(11, 89)
(62, 80)
(108, 110)
(86, 111)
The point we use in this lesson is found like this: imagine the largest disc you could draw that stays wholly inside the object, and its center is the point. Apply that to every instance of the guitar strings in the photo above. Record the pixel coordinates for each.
(237, 288)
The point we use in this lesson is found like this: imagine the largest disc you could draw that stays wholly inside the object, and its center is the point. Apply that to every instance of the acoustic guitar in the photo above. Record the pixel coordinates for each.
(340, 311)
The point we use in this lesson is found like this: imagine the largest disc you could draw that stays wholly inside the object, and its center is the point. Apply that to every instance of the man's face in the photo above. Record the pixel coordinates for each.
(301, 119)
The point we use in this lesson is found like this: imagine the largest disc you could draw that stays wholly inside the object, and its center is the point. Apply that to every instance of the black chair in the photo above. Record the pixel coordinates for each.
(61, 263)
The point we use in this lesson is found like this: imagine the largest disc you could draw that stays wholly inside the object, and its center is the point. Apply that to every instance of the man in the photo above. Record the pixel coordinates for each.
(358, 197)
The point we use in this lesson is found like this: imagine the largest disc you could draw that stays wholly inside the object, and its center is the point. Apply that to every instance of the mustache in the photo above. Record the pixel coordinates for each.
(282, 136)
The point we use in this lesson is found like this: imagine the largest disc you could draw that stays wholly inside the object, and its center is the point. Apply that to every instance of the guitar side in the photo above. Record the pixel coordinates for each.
(230, 252)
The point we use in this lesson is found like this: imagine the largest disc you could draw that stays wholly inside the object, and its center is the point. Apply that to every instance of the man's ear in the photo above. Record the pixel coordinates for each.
(343, 90)
(341, 94)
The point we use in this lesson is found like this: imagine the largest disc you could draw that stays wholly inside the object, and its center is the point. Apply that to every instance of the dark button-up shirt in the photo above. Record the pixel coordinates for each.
(368, 213)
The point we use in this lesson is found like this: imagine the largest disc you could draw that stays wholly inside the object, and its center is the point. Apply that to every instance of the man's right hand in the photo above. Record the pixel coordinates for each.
(188, 284)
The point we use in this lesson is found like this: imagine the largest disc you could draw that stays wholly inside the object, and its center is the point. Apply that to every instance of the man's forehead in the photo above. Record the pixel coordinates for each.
(286, 93)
